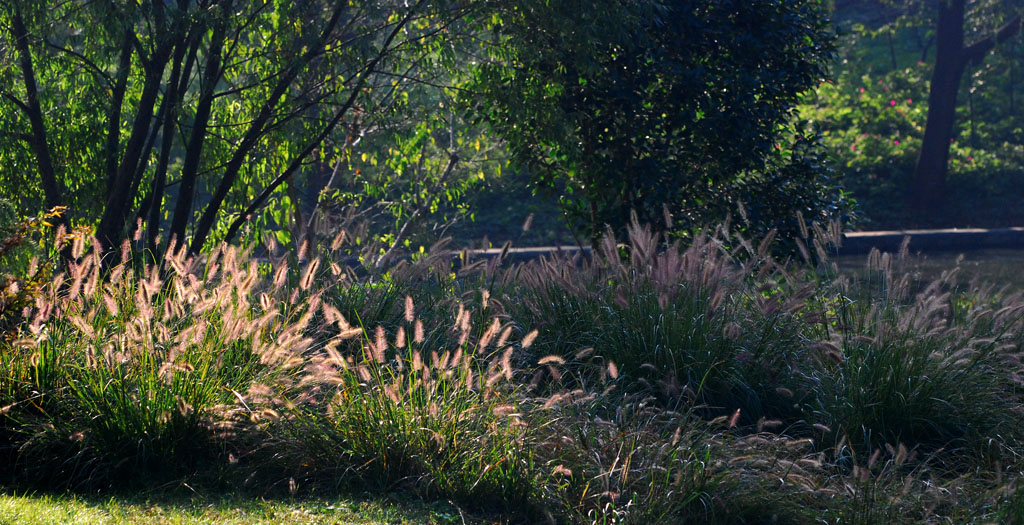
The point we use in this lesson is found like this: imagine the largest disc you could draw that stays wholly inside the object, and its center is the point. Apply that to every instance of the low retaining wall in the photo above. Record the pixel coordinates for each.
(854, 243)
(965, 239)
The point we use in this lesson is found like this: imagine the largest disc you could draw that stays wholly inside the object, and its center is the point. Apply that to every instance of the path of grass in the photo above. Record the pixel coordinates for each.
(70, 509)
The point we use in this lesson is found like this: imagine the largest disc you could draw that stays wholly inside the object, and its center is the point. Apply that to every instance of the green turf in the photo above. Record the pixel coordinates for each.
(74, 509)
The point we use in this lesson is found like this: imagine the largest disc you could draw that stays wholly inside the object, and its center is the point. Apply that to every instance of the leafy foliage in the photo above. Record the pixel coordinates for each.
(194, 118)
(873, 113)
(642, 105)
(25, 264)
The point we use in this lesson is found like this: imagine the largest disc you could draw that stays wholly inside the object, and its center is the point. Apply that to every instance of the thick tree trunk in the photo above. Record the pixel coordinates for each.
(951, 58)
(929, 186)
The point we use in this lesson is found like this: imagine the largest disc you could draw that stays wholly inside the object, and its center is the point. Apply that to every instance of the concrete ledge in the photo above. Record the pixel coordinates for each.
(854, 243)
(521, 255)
(957, 239)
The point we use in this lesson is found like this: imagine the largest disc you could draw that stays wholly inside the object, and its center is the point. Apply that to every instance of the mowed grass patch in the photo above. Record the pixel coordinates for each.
(29, 509)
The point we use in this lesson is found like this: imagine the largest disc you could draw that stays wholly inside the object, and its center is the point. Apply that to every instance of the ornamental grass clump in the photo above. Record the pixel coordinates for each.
(611, 456)
(694, 323)
(439, 416)
(652, 383)
(123, 374)
(935, 370)
(641, 464)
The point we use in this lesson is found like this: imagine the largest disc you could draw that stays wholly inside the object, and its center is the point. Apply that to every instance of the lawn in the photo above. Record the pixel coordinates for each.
(73, 509)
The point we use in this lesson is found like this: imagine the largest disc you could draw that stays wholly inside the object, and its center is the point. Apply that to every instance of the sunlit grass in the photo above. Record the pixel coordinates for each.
(71, 509)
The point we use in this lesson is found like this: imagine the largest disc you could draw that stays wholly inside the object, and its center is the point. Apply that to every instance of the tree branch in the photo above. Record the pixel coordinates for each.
(400, 236)
(977, 51)
(81, 58)
(27, 137)
(255, 132)
(21, 105)
(265, 194)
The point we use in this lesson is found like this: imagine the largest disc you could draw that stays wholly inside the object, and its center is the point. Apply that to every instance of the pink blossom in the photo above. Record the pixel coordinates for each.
(970, 159)
(910, 101)
(853, 147)
(861, 90)
(887, 88)
(892, 102)
(896, 142)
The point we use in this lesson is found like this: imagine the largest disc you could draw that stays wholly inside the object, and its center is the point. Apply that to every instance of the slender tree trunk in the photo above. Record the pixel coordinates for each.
(112, 147)
(256, 131)
(892, 51)
(1013, 82)
(970, 108)
(926, 49)
(194, 148)
(176, 87)
(120, 195)
(51, 187)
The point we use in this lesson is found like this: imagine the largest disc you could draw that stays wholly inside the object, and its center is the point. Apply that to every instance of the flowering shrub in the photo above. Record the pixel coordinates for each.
(872, 125)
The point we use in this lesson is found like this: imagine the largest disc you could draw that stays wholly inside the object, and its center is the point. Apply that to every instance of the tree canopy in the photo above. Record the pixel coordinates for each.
(190, 120)
(190, 115)
(653, 105)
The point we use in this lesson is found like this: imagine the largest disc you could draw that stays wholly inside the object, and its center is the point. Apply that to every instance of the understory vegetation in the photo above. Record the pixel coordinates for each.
(180, 319)
(651, 383)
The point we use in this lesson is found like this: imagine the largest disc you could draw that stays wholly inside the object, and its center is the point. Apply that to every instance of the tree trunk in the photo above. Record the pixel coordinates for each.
(256, 131)
(242, 218)
(929, 184)
(51, 187)
(892, 52)
(951, 58)
(120, 195)
(194, 147)
(176, 90)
